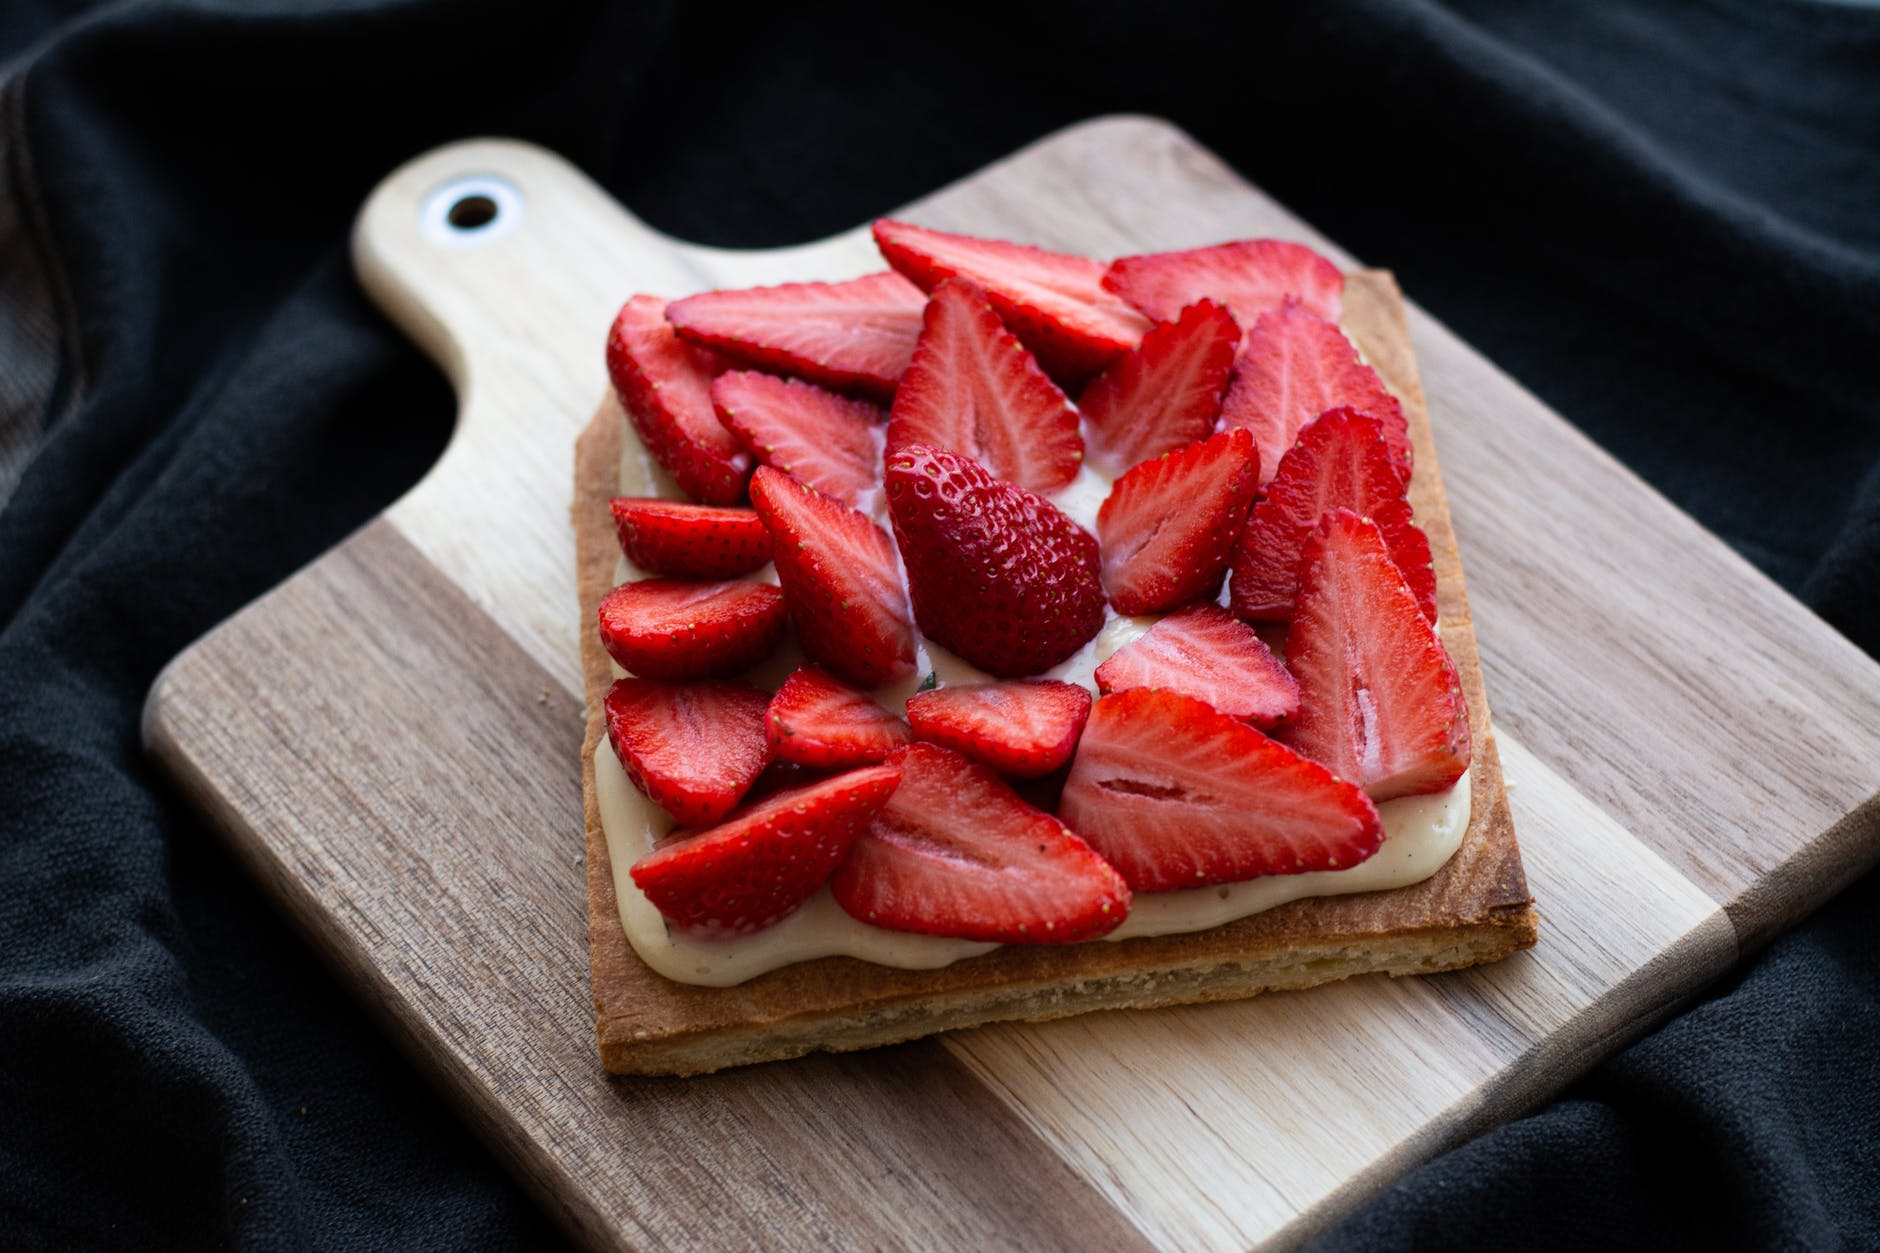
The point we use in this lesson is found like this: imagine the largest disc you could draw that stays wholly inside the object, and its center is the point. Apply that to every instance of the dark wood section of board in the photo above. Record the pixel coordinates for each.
(342, 782)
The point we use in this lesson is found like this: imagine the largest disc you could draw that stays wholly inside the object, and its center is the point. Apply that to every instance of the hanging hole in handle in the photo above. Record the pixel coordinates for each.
(470, 211)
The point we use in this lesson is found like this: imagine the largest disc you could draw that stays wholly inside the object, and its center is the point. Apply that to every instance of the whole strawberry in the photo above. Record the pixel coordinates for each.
(997, 574)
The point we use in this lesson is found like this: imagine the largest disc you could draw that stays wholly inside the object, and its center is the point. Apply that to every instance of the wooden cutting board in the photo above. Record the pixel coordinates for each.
(389, 740)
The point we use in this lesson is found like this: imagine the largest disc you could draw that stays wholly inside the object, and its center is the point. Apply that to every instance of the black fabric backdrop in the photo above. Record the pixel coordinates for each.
(1663, 219)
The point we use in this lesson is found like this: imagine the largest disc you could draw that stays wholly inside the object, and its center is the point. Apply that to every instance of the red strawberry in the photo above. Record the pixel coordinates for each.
(1179, 795)
(1250, 276)
(664, 385)
(1340, 461)
(666, 629)
(1164, 393)
(955, 852)
(855, 336)
(1169, 525)
(1379, 701)
(761, 863)
(1053, 301)
(681, 541)
(996, 573)
(828, 441)
(974, 389)
(839, 576)
(1293, 367)
(1205, 652)
(694, 748)
(1022, 729)
(815, 719)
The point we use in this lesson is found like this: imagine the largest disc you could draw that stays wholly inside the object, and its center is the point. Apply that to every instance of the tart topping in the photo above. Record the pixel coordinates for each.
(1021, 729)
(855, 336)
(693, 748)
(682, 541)
(1340, 462)
(665, 629)
(815, 436)
(1205, 652)
(1053, 301)
(840, 579)
(955, 852)
(816, 719)
(1293, 367)
(974, 389)
(1249, 276)
(764, 860)
(997, 574)
(1170, 524)
(664, 384)
(1179, 795)
(1379, 701)
(1164, 393)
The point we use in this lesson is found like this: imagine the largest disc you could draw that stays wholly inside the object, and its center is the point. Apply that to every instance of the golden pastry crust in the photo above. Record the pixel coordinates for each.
(1475, 909)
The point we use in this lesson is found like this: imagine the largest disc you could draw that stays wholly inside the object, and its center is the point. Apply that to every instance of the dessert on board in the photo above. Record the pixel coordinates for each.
(1007, 634)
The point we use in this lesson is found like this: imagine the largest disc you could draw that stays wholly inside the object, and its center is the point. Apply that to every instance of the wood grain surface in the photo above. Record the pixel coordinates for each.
(1693, 761)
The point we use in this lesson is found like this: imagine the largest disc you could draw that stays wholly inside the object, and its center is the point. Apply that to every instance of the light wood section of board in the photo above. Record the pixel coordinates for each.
(389, 741)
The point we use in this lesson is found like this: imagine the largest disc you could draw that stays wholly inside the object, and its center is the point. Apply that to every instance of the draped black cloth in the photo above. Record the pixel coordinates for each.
(1664, 219)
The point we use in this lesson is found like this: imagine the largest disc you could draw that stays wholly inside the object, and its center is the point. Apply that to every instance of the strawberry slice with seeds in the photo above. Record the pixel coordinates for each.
(1249, 276)
(1379, 700)
(1340, 461)
(974, 389)
(1023, 729)
(855, 336)
(1169, 525)
(996, 573)
(664, 384)
(1164, 393)
(1053, 301)
(1205, 652)
(668, 629)
(1293, 367)
(763, 861)
(841, 581)
(816, 719)
(955, 852)
(1176, 794)
(694, 748)
(831, 442)
(684, 541)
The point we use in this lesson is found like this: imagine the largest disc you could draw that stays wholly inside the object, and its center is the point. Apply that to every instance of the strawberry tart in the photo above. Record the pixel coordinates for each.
(1008, 634)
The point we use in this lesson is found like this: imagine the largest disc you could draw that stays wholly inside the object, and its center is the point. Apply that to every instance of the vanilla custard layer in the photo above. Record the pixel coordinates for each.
(1421, 833)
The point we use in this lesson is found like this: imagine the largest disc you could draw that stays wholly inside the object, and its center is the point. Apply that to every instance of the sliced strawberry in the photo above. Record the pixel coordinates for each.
(694, 748)
(975, 390)
(1249, 276)
(955, 852)
(664, 384)
(855, 336)
(1053, 301)
(1169, 525)
(1177, 794)
(1164, 393)
(1023, 729)
(1205, 652)
(828, 441)
(840, 578)
(682, 541)
(816, 719)
(996, 573)
(1293, 367)
(1379, 701)
(1340, 461)
(755, 868)
(666, 629)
